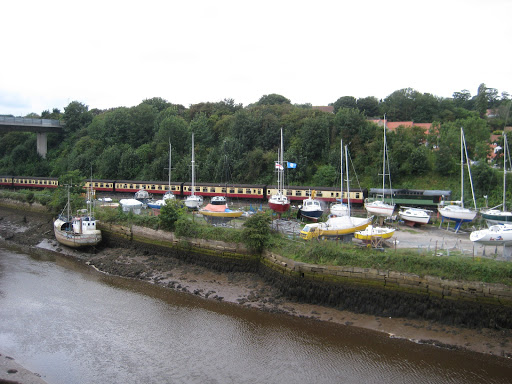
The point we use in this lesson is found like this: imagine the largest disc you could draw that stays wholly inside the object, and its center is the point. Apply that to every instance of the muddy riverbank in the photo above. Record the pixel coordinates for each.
(34, 230)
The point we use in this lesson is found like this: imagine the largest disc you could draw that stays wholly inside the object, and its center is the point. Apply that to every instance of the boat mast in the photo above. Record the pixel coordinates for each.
(505, 149)
(341, 170)
(462, 167)
(280, 168)
(469, 170)
(348, 185)
(384, 161)
(170, 148)
(193, 162)
(68, 205)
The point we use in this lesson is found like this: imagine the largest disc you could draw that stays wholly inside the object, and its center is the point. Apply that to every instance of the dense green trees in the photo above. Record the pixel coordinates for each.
(239, 145)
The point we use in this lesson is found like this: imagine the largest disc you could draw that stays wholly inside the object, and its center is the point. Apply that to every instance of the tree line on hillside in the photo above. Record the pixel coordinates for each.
(237, 144)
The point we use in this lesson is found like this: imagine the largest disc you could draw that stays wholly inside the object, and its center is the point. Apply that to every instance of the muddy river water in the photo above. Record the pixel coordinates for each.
(72, 324)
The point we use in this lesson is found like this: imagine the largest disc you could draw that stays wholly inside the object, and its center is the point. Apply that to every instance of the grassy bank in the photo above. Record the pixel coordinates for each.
(454, 267)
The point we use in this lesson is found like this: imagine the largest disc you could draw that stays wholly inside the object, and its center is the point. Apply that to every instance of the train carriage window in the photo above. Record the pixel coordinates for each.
(319, 194)
(298, 193)
(198, 189)
(357, 196)
(173, 188)
(232, 190)
(212, 190)
(205, 189)
(223, 190)
(248, 191)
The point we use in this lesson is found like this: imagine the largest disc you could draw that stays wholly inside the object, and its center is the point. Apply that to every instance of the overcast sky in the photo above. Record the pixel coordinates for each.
(109, 54)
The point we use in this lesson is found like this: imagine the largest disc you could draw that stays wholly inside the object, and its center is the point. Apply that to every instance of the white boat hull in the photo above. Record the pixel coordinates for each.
(75, 240)
(194, 202)
(415, 216)
(457, 213)
(339, 210)
(495, 235)
(380, 208)
(493, 217)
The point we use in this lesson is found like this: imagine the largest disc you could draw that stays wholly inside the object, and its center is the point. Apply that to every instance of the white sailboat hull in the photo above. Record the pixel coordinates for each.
(495, 235)
(415, 216)
(457, 213)
(380, 208)
(493, 217)
(73, 239)
(339, 209)
(194, 202)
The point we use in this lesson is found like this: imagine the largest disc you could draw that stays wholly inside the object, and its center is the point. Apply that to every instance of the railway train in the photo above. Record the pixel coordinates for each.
(237, 191)
(413, 197)
(182, 189)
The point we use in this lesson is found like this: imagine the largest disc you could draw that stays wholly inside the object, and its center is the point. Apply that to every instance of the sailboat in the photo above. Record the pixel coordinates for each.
(193, 201)
(222, 199)
(168, 195)
(380, 207)
(279, 202)
(495, 216)
(337, 226)
(414, 216)
(499, 234)
(371, 232)
(456, 210)
(340, 209)
(218, 212)
(80, 230)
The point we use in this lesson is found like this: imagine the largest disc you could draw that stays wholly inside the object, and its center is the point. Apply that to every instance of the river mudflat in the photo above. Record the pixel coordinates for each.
(27, 229)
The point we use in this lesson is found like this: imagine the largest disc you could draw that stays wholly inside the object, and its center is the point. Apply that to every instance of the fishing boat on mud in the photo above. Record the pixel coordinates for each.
(77, 230)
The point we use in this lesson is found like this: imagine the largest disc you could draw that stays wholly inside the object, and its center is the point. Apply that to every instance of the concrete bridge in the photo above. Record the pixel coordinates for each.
(40, 126)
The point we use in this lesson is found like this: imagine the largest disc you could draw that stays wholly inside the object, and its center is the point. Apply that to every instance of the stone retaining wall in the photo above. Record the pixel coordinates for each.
(369, 277)
(398, 281)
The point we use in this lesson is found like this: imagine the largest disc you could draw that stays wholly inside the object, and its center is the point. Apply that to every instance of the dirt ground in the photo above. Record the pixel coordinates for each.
(35, 230)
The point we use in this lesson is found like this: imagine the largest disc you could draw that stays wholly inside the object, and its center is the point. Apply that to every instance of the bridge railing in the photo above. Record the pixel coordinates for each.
(28, 121)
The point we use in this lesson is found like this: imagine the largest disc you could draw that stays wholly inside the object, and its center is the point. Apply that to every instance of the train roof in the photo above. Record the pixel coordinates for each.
(425, 192)
(147, 182)
(299, 187)
(34, 177)
(199, 184)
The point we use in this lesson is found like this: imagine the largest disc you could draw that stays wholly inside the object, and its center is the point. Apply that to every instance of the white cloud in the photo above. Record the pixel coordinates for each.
(118, 53)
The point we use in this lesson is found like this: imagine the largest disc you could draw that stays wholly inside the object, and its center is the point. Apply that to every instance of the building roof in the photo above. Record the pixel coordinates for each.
(393, 125)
